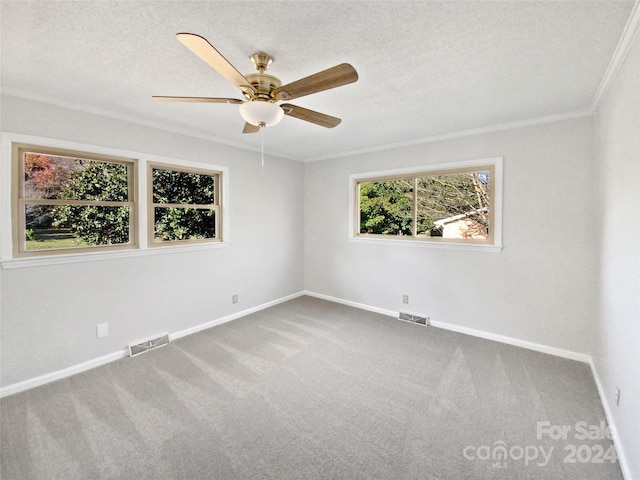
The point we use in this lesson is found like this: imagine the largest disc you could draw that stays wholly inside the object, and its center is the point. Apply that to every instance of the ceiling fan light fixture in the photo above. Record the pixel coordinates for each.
(261, 114)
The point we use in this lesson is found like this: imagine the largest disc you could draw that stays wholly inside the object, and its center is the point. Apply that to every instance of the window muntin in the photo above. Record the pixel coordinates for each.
(69, 201)
(452, 206)
(184, 204)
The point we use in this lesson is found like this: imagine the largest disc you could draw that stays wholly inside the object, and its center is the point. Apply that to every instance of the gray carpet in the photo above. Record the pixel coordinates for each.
(311, 390)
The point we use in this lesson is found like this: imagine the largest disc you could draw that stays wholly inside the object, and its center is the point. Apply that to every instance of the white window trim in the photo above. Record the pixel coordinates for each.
(7, 259)
(496, 246)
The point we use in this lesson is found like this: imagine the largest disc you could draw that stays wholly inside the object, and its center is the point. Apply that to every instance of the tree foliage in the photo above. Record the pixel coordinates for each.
(184, 188)
(44, 178)
(183, 200)
(445, 196)
(184, 223)
(96, 224)
(44, 175)
(386, 207)
(171, 186)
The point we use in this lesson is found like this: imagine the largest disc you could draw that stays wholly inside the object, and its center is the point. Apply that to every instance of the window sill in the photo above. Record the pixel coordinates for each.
(428, 244)
(97, 256)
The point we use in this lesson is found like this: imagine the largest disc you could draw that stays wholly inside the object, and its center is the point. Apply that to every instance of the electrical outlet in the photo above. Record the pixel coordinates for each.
(234, 299)
(102, 330)
(405, 298)
(617, 396)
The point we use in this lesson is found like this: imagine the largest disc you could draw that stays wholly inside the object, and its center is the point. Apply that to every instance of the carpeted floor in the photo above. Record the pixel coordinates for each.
(314, 390)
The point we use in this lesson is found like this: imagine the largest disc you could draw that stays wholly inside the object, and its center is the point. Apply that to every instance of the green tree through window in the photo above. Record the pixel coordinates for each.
(185, 205)
(445, 205)
(96, 224)
(386, 207)
(71, 202)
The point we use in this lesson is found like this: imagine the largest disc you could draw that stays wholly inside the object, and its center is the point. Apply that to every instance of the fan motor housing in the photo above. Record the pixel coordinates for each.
(264, 85)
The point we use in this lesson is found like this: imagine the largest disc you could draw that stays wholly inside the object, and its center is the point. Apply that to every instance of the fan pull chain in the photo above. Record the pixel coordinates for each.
(262, 144)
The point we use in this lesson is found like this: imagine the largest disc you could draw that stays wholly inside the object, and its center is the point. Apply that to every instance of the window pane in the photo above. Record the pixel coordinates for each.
(386, 207)
(183, 224)
(66, 226)
(170, 186)
(454, 206)
(67, 178)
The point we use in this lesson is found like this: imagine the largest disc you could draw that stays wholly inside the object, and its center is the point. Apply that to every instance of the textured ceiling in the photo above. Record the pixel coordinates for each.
(426, 68)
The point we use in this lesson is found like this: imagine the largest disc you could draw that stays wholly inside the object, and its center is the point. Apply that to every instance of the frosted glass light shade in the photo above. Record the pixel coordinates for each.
(261, 114)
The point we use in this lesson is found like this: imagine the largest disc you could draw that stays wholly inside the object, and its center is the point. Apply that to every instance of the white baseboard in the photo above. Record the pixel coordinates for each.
(538, 347)
(361, 306)
(233, 316)
(604, 399)
(111, 357)
(74, 369)
(60, 374)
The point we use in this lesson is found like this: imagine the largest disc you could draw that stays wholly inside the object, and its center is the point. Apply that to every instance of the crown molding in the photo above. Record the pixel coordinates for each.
(103, 112)
(498, 127)
(629, 34)
(14, 92)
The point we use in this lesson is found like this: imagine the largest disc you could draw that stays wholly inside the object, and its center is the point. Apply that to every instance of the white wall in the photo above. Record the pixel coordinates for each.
(616, 337)
(560, 280)
(49, 313)
(540, 288)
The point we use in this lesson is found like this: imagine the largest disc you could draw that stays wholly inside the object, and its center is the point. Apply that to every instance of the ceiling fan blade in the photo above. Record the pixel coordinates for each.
(310, 116)
(248, 128)
(331, 78)
(203, 49)
(161, 98)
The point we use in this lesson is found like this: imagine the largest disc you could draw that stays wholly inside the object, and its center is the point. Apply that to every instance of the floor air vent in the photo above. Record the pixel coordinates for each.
(413, 318)
(147, 345)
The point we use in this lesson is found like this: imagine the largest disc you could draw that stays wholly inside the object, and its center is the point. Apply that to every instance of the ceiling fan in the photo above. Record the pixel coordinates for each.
(262, 91)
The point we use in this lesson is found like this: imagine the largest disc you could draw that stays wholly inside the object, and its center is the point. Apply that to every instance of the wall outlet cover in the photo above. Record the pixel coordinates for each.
(102, 330)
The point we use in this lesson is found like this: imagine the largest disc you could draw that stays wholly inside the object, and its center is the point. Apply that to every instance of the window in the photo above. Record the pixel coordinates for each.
(451, 204)
(184, 205)
(69, 201)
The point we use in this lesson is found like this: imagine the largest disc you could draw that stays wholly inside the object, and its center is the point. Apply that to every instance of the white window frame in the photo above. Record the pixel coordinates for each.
(354, 204)
(9, 260)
